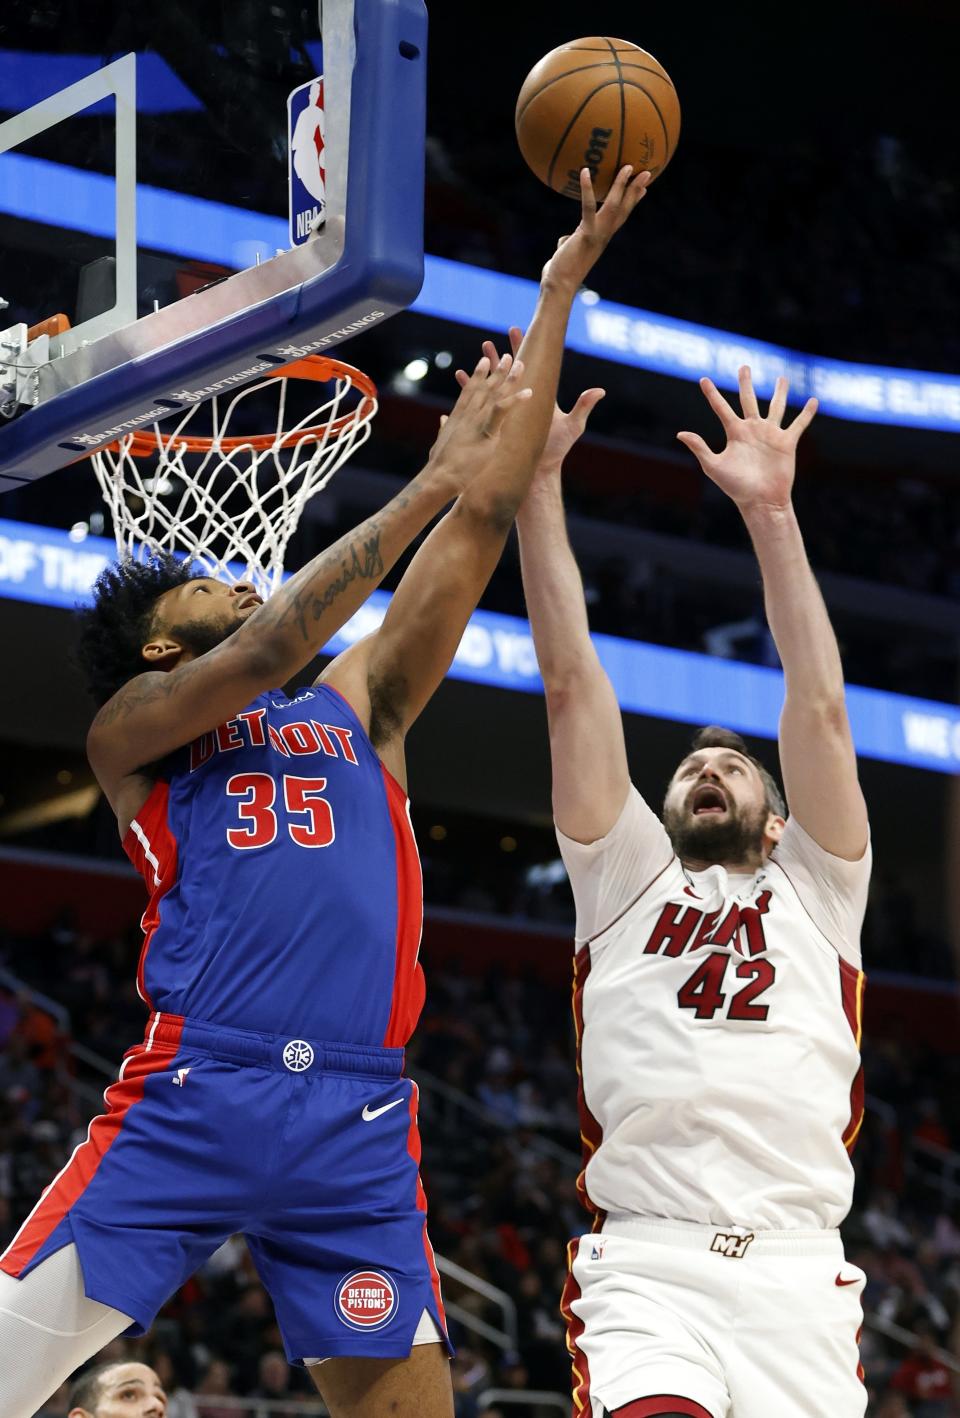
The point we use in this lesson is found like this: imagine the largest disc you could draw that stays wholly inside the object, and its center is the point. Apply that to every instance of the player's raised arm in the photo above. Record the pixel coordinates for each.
(591, 778)
(756, 469)
(182, 695)
(391, 676)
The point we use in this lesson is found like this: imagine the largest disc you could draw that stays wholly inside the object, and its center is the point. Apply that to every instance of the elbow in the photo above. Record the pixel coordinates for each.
(562, 677)
(827, 711)
(489, 513)
(259, 658)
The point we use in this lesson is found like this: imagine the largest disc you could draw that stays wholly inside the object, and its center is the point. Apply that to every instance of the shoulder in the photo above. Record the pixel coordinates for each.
(797, 849)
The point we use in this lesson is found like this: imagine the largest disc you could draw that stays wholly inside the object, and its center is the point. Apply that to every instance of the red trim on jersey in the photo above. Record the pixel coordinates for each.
(861, 1371)
(658, 1405)
(68, 1186)
(852, 983)
(414, 1148)
(591, 1133)
(409, 989)
(575, 1327)
(152, 848)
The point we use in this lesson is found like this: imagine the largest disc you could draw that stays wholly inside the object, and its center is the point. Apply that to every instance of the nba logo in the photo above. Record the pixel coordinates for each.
(307, 160)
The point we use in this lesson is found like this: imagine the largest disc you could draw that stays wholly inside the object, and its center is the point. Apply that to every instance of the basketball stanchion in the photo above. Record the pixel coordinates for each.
(224, 498)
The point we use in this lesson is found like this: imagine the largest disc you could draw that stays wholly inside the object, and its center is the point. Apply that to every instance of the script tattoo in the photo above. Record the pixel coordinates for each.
(364, 563)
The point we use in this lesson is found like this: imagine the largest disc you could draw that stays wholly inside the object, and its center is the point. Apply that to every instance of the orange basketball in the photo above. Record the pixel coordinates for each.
(596, 103)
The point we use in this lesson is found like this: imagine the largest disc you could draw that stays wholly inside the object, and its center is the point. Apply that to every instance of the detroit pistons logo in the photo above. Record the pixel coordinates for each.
(367, 1299)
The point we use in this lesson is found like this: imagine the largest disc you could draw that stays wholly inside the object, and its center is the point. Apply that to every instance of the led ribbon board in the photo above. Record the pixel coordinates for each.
(211, 231)
(48, 567)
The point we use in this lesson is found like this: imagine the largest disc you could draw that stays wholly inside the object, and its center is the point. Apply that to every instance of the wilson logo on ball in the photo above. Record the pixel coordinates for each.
(367, 1299)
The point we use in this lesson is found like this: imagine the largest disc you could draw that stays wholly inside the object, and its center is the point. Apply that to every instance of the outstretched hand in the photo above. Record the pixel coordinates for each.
(757, 465)
(577, 254)
(468, 435)
(565, 429)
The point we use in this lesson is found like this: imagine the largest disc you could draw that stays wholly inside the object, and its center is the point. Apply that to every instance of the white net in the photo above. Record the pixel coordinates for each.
(230, 502)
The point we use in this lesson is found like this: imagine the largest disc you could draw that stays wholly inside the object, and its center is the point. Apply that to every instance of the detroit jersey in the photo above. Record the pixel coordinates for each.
(718, 1021)
(284, 880)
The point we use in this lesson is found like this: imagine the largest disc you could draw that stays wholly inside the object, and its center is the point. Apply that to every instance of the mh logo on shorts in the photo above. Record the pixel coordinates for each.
(367, 1299)
(733, 1246)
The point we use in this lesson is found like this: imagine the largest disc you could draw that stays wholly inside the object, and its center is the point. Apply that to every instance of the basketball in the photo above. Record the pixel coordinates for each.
(596, 103)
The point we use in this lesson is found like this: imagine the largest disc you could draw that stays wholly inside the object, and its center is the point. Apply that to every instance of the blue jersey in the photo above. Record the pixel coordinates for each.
(284, 879)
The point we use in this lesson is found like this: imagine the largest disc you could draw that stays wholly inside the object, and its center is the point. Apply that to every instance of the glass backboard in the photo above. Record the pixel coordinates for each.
(204, 192)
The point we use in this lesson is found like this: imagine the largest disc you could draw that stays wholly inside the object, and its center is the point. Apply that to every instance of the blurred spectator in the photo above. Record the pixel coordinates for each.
(215, 1383)
(924, 1379)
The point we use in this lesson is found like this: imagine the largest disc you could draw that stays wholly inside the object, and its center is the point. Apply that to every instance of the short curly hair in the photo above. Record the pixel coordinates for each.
(114, 630)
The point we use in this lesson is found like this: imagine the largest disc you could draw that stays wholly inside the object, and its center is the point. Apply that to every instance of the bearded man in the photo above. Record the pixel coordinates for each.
(717, 993)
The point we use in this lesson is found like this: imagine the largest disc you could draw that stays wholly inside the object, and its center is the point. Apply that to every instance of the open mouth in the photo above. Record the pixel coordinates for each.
(249, 601)
(708, 800)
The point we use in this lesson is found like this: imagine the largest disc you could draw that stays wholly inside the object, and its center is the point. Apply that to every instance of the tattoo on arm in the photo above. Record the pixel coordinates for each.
(307, 605)
(148, 687)
(363, 562)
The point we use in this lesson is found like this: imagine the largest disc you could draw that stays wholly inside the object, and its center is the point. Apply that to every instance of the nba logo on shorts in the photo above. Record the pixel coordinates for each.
(367, 1299)
(307, 159)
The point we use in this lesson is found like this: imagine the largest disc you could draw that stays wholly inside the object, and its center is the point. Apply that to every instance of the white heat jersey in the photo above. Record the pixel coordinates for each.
(718, 1021)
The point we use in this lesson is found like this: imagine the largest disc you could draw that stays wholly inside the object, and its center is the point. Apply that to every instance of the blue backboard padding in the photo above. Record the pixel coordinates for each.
(45, 566)
(211, 231)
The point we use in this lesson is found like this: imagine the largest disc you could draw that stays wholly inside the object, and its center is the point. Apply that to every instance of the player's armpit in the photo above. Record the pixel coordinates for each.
(412, 651)
(820, 780)
(610, 874)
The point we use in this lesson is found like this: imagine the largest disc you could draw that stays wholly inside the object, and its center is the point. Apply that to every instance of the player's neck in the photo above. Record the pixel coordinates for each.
(747, 866)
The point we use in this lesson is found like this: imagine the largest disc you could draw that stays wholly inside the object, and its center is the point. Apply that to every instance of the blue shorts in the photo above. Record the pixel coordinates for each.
(310, 1150)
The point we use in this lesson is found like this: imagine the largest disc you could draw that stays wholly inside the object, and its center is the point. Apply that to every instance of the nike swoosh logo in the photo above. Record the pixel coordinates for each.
(839, 1281)
(369, 1113)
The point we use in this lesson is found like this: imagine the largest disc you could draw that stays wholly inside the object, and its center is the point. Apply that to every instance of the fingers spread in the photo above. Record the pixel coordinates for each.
(719, 404)
(700, 450)
(516, 339)
(778, 403)
(585, 406)
(502, 408)
(748, 399)
(804, 418)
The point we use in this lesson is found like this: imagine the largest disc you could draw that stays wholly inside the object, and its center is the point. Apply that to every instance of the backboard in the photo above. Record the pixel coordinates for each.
(206, 192)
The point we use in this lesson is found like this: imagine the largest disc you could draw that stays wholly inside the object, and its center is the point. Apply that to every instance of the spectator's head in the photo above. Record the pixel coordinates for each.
(274, 1374)
(216, 1379)
(893, 1405)
(118, 1390)
(722, 806)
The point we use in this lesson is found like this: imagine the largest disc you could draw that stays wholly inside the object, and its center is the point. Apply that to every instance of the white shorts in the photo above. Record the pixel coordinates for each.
(730, 1327)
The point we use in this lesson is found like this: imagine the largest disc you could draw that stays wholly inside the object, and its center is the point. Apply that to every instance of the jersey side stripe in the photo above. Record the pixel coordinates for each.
(150, 831)
(591, 1133)
(575, 1328)
(408, 984)
(415, 1150)
(852, 985)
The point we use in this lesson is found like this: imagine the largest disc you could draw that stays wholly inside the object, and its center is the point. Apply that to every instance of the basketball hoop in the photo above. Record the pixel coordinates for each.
(226, 498)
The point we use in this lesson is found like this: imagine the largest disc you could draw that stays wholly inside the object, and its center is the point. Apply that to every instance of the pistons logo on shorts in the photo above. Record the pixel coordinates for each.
(367, 1299)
